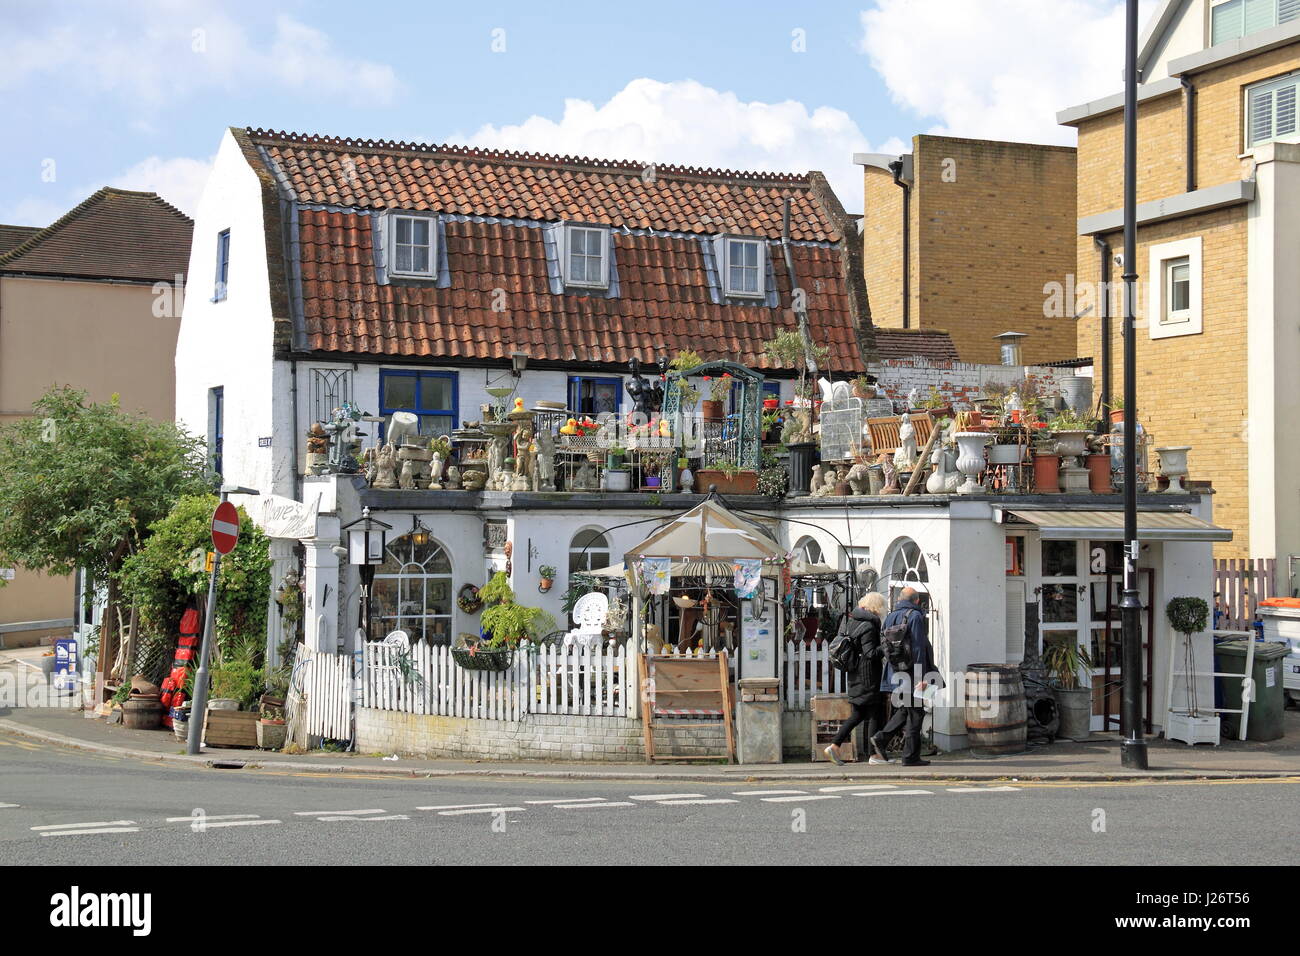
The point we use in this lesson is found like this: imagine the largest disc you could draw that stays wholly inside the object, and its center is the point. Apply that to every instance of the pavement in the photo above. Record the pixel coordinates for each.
(1095, 760)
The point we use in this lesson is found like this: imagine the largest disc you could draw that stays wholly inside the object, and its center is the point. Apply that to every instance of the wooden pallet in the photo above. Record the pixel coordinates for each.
(230, 728)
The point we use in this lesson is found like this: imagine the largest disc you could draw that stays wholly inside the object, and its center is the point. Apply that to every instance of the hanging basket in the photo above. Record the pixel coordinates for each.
(483, 658)
(468, 600)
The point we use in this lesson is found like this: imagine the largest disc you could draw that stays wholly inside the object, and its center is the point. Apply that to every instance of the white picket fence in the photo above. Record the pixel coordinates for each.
(320, 696)
(540, 680)
(807, 671)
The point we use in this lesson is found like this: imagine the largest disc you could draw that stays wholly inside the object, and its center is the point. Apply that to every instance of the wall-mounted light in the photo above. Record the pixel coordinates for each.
(518, 362)
(419, 533)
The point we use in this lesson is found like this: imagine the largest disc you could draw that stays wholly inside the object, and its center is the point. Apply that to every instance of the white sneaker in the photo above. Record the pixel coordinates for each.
(875, 759)
(834, 757)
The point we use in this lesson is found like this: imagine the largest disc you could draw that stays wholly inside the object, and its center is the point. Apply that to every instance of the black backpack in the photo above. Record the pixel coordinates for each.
(896, 641)
(846, 650)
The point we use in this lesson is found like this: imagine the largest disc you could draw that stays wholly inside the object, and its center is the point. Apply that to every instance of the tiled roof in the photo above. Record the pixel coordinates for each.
(114, 234)
(932, 344)
(494, 207)
(483, 182)
(11, 236)
(663, 302)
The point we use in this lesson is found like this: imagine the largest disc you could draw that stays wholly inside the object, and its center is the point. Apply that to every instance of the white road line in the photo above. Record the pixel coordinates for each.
(458, 806)
(760, 793)
(354, 819)
(688, 803)
(210, 817)
(896, 793)
(981, 789)
(574, 800)
(7, 806)
(861, 786)
(487, 809)
(592, 806)
(98, 823)
(245, 823)
(801, 799)
(84, 832)
(664, 796)
(333, 813)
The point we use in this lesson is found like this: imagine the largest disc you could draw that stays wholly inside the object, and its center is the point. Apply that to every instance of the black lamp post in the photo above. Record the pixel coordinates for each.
(1133, 750)
(367, 539)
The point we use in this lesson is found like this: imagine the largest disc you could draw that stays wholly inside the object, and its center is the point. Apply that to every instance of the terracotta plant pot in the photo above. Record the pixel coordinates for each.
(1099, 474)
(546, 585)
(710, 409)
(741, 483)
(1047, 474)
(1116, 416)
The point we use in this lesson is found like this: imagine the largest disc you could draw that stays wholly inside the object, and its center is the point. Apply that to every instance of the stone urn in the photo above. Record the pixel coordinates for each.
(1173, 465)
(1072, 444)
(970, 460)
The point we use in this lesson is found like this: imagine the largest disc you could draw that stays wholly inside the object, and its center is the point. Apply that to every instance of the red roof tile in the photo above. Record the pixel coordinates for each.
(933, 344)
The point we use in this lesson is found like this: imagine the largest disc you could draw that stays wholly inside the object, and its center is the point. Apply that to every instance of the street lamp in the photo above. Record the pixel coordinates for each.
(367, 540)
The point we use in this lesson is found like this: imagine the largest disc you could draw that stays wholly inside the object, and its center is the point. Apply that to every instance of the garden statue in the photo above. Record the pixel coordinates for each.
(318, 447)
(524, 457)
(346, 444)
(641, 391)
(453, 477)
(891, 475)
(815, 484)
(407, 478)
(944, 478)
(386, 468)
(585, 479)
(370, 463)
(544, 461)
(905, 458)
(435, 470)
(914, 398)
(860, 478)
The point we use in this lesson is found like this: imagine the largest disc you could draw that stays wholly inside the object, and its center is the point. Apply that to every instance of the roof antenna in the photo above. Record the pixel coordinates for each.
(798, 299)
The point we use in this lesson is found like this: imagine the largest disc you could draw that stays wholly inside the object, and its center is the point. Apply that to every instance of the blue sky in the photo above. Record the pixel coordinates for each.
(137, 94)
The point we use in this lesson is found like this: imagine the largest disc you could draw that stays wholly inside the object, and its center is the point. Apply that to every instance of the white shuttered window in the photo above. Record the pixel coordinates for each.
(1271, 111)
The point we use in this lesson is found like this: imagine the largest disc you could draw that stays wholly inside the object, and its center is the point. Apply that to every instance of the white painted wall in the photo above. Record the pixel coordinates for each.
(229, 343)
(1188, 34)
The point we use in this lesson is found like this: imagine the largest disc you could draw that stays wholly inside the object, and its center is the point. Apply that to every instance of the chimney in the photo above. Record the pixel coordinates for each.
(1010, 345)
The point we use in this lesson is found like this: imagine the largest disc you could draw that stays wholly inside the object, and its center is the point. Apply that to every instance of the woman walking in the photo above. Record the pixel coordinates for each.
(864, 681)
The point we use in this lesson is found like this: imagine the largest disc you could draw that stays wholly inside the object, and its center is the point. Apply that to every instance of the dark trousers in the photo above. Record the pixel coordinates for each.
(909, 720)
(869, 713)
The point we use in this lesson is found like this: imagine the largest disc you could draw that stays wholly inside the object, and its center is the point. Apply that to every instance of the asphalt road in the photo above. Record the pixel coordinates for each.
(68, 807)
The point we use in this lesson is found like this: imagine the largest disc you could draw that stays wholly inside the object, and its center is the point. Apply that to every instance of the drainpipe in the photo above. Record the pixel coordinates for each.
(896, 167)
(1103, 311)
(1189, 119)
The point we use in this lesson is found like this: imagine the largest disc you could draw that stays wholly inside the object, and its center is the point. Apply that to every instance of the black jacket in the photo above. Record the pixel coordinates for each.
(864, 683)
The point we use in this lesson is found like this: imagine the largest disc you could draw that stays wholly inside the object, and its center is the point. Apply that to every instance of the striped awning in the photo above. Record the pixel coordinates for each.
(1109, 525)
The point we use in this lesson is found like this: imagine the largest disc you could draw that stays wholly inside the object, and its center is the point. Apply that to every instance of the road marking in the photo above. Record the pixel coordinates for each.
(85, 832)
(245, 823)
(592, 806)
(7, 806)
(666, 796)
(208, 818)
(801, 799)
(390, 816)
(759, 793)
(487, 809)
(896, 793)
(981, 789)
(458, 806)
(97, 823)
(688, 803)
(333, 813)
(861, 786)
(574, 800)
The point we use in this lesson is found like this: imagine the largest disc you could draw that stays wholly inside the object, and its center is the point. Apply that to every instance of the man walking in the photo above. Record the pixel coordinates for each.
(906, 643)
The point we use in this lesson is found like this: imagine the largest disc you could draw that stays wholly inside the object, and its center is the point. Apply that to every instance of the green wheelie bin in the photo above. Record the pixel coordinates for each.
(1264, 722)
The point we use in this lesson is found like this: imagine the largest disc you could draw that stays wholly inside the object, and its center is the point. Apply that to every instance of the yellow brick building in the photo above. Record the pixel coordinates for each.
(990, 225)
(1218, 192)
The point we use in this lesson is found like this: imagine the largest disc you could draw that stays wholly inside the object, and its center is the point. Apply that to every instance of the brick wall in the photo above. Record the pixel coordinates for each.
(992, 232)
(533, 737)
(882, 248)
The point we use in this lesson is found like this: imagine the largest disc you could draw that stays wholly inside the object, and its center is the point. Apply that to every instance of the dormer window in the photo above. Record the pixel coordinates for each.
(743, 267)
(412, 246)
(585, 256)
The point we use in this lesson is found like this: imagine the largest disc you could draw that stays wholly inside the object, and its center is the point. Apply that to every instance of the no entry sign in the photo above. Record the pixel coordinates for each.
(225, 528)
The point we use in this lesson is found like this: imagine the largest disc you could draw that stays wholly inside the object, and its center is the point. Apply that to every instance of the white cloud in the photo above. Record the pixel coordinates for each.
(686, 123)
(154, 52)
(179, 180)
(997, 71)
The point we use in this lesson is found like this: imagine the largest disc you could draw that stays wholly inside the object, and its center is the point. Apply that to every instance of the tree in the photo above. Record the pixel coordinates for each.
(80, 483)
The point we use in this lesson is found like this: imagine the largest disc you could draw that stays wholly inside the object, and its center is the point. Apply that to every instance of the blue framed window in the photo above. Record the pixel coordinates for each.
(223, 265)
(433, 396)
(592, 396)
(217, 402)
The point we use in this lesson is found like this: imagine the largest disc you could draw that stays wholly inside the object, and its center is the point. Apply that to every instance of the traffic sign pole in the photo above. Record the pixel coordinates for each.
(224, 542)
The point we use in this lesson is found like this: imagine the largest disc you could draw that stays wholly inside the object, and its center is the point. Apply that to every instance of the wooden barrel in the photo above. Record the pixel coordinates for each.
(996, 715)
(142, 713)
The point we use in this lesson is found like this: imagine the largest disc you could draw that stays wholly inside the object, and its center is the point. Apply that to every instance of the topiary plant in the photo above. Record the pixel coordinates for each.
(1187, 615)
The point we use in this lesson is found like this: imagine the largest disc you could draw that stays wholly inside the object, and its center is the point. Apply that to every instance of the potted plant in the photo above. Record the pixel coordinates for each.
(614, 456)
(1116, 410)
(618, 479)
(1098, 462)
(1065, 661)
(715, 406)
(1188, 616)
(651, 466)
(728, 477)
(271, 727)
(505, 624)
(683, 362)
(864, 387)
(547, 571)
(1047, 467)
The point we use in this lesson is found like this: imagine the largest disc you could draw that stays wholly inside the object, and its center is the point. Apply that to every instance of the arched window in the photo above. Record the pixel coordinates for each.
(588, 551)
(412, 589)
(906, 568)
(810, 550)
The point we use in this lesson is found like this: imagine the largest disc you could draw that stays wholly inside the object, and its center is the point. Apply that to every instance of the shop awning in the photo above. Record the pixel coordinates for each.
(1109, 525)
